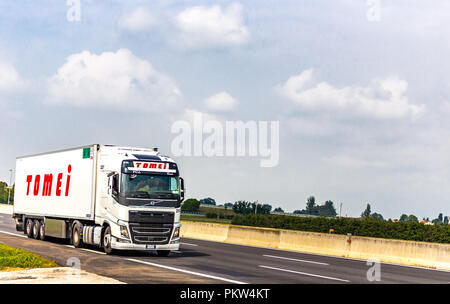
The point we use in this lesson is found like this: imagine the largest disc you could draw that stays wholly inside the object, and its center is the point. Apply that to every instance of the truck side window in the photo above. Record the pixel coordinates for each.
(115, 185)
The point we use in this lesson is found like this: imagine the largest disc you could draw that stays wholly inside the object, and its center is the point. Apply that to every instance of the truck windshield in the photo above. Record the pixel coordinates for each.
(149, 186)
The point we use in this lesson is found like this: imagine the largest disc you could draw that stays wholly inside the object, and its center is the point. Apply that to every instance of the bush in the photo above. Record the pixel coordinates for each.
(211, 215)
(190, 205)
(369, 227)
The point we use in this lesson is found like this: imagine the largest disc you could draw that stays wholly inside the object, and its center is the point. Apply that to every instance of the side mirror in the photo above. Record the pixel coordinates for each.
(110, 182)
(181, 189)
(113, 183)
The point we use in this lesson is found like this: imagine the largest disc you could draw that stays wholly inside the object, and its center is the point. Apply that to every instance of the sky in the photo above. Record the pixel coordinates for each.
(360, 89)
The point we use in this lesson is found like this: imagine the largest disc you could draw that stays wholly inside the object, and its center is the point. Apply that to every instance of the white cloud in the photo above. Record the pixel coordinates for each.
(221, 102)
(113, 80)
(202, 26)
(383, 98)
(139, 19)
(354, 162)
(9, 78)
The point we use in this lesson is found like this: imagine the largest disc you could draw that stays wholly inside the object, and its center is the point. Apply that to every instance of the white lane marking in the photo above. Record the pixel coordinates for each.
(189, 244)
(94, 251)
(327, 256)
(15, 234)
(304, 273)
(176, 251)
(187, 271)
(297, 260)
(70, 246)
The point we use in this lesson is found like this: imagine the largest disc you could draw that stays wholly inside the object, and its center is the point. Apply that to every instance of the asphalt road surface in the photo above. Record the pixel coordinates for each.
(200, 261)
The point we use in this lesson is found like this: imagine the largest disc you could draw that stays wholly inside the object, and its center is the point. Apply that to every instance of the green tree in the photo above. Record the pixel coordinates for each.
(208, 201)
(228, 205)
(366, 213)
(278, 209)
(261, 209)
(310, 204)
(446, 220)
(190, 205)
(327, 209)
(376, 216)
(403, 218)
(243, 207)
(299, 211)
(413, 219)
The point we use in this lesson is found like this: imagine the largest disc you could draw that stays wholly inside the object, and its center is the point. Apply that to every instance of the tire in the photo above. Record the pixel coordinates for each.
(42, 230)
(36, 228)
(77, 235)
(106, 241)
(162, 253)
(29, 228)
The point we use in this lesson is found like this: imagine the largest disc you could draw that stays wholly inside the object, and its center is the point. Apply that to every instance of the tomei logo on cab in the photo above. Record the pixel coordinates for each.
(144, 165)
(34, 183)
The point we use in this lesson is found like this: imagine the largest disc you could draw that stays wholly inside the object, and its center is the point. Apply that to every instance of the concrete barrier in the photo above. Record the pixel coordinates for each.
(6, 209)
(313, 242)
(205, 231)
(254, 236)
(366, 248)
(401, 252)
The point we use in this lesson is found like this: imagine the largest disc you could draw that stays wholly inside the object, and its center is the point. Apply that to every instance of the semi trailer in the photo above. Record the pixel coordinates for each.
(116, 198)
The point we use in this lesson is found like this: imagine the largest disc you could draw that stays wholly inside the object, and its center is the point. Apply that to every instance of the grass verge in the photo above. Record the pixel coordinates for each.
(16, 259)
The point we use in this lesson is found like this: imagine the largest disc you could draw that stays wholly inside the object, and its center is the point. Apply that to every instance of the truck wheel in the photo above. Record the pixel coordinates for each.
(77, 239)
(36, 228)
(42, 230)
(163, 253)
(107, 241)
(29, 228)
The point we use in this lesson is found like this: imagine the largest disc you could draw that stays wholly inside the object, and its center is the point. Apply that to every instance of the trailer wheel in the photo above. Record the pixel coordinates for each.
(77, 239)
(42, 230)
(29, 228)
(107, 241)
(162, 253)
(36, 228)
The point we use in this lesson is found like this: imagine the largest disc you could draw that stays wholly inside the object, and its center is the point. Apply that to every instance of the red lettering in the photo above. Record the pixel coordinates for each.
(47, 186)
(145, 165)
(69, 168)
(37, 180)
(58, 184)
(29, 179)
(138, 164)
(153, 166)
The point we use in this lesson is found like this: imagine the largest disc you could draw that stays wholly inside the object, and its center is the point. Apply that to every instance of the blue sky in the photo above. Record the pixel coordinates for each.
(362, 105)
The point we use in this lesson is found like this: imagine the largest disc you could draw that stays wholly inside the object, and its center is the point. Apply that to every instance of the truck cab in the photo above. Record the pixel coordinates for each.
(140, 201)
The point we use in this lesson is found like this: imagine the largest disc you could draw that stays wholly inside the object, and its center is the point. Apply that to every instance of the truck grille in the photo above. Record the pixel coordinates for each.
(151, 217)
(145, 233)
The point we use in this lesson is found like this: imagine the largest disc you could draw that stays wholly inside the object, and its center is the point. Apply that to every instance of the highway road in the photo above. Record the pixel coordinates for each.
(200, 261)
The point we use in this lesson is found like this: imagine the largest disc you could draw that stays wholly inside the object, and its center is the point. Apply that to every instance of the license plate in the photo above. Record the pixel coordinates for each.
(147, 246)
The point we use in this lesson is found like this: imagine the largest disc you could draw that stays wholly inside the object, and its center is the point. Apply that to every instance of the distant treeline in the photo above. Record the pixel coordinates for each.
(412, 231)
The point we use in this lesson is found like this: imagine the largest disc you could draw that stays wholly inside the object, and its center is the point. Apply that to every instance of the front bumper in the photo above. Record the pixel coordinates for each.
(173, 245)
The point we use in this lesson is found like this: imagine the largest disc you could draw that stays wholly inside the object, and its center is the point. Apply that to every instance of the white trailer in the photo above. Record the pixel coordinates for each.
(113, 197)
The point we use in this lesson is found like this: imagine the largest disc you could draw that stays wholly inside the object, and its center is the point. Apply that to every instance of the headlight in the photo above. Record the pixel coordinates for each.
(124, 231)
(176, 233)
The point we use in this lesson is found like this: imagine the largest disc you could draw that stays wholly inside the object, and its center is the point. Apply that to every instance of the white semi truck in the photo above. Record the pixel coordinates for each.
(117, 198)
